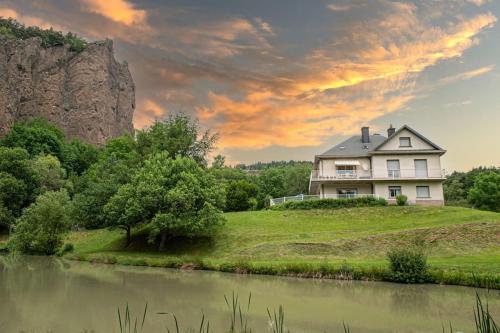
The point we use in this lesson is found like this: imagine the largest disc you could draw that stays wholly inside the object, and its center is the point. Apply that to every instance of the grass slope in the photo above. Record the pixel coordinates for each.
(348, 243)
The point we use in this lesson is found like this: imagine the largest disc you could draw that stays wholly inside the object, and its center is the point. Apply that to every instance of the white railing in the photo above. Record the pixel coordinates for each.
(302, 197)
(378, 174)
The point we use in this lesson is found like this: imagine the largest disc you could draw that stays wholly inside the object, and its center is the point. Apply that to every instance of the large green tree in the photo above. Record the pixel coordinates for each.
(115, 166)
(178, 196)
(37, 136)
(178, 135)
(485, 194)
(48, 172)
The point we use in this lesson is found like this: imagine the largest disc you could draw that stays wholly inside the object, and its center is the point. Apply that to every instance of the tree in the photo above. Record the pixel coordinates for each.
(456, 187)
(50, 176)
(13, 194)
(176, 136)
(239, 195)
(178, 196)
(485, 194)
(78, 156)
(41, 227)
(37, 136)
(124, 211)
(218, 162)
(115, 166)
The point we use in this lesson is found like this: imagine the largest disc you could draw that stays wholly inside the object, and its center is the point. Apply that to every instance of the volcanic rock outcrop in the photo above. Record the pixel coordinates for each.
(88, 94)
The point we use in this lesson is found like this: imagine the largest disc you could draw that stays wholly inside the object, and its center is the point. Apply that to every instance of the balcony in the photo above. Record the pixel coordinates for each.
(377, 174)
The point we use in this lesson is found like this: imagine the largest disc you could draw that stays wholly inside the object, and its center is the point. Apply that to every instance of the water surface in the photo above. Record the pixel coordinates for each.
(39, 294)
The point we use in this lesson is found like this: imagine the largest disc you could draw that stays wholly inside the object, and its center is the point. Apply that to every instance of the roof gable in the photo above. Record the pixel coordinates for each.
(419, 142)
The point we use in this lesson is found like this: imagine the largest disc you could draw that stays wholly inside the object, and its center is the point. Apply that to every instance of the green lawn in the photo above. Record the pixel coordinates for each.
(458, 240)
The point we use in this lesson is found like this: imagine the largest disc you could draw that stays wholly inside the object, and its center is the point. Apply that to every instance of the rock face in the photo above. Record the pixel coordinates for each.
(88, 94)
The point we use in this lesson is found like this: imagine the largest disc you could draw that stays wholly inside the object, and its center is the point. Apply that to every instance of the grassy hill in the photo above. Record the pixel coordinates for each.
(335, 243)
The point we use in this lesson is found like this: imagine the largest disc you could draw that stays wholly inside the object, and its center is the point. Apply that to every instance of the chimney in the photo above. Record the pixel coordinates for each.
(365, 134)
(390, 131)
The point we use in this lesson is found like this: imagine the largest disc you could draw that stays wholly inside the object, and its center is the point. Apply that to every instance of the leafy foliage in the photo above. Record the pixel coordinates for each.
(41, 227)
(177, 136)
(485, 194)
(48, 172)
(178, 196)
(78, 156)
(332, 203)
(456, 187)
(37, 136)
(240, 194)
(115, 165)
(408, 265)
(10, 28)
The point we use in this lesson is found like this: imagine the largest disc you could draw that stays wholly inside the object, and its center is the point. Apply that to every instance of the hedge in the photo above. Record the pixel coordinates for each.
(332, 203)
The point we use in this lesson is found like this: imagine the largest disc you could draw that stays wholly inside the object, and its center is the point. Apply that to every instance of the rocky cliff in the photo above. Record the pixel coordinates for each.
(88, 94)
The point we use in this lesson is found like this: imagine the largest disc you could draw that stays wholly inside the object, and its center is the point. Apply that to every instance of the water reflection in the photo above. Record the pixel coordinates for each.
(46, 294)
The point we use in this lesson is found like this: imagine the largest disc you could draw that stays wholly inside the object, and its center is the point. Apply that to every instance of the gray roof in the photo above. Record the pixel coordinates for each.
(354, 147)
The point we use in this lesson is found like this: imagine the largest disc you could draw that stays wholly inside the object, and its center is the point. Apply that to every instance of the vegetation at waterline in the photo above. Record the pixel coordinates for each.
(238, 319)
(10, 28)
(461, 244)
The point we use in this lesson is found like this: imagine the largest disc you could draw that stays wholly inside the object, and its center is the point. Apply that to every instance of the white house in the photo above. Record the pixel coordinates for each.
(404, 162)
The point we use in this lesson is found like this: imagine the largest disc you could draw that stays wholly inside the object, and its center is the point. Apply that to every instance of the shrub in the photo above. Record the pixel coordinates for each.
(401, 200)
(41, 227)
(66, 248)
(332, 203)
(407, 265)
(49, 37)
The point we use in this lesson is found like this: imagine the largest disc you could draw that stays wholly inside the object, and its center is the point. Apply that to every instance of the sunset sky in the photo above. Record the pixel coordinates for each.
(282, 80)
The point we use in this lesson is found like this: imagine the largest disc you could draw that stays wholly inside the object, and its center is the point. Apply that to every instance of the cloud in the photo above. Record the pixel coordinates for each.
(340, 7)
(467, 75)
(264, 26)
(28, 20)
(117, 10)
(477, 2)
(370, 74)
(147, 112)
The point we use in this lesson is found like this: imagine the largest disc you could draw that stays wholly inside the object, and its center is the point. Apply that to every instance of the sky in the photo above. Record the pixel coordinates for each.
(282, 80)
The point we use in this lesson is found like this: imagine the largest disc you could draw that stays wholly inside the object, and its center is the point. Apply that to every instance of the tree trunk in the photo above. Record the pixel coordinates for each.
(129, 237)
(163, 240)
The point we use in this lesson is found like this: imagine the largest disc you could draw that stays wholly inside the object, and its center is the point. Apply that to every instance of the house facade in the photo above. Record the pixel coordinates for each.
(404, 162)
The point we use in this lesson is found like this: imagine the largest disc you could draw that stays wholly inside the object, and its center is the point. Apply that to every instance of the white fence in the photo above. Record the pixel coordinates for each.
(302, 197)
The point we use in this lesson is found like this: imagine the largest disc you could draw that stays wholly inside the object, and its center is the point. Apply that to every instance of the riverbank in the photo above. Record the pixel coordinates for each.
(462, 244)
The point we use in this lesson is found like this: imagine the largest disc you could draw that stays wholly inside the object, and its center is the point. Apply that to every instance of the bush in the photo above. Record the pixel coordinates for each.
(10, 28)
(332, 203)
(407, 265)
(41, 227)
(66, 248)
(401, 200)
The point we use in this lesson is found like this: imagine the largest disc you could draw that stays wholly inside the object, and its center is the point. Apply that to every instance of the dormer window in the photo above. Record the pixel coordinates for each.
(404, 141)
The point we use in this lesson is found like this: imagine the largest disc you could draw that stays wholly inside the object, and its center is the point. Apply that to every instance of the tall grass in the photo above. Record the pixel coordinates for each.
(238, 319)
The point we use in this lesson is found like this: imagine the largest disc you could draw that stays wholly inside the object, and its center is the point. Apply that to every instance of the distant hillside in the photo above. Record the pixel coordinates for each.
(273, 164)
(75, 84)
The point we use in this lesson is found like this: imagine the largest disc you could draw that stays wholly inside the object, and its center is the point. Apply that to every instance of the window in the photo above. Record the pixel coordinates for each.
(421, 168)
(347, 192)
(393, 168)
(404, 141)
(423, 192)
(394, 191)
(346, 171)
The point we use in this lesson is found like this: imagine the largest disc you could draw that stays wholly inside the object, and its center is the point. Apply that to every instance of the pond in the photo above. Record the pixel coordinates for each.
(40, 294)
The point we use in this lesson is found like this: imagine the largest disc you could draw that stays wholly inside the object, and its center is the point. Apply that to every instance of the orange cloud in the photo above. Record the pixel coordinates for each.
(117, 10)
(147, 112)
(28, 19)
